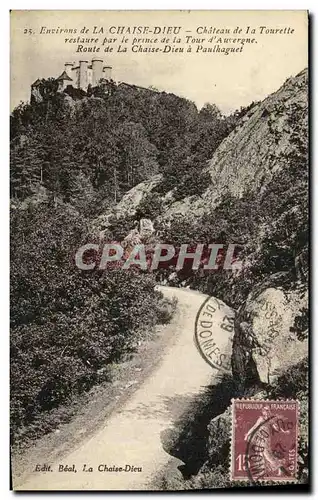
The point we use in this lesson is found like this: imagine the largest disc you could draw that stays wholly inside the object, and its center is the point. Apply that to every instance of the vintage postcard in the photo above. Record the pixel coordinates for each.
(159, 250)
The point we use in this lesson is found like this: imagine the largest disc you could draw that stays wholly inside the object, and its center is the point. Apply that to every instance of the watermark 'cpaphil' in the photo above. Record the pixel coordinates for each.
(208, 257)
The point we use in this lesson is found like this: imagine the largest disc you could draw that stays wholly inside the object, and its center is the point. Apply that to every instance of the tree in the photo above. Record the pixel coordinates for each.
(138, 155)
(210, 112)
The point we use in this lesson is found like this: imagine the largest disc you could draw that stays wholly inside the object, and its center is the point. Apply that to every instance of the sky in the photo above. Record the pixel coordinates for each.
(229, 81)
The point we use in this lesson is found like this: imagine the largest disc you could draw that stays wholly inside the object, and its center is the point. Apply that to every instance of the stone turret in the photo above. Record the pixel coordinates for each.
(35, 92)
(68, 66)
(97, 71)
(83, 76)
(107, 72)
(64, 80)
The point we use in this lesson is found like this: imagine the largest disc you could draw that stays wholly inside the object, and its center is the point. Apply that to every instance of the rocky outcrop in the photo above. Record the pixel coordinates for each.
(249, 156)
(265, 341)
(131, 200)
(219, 433)
(128, 205)
(139, 235)
(40, 196)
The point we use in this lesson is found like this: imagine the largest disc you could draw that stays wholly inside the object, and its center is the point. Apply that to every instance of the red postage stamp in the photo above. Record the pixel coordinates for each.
(264, 440)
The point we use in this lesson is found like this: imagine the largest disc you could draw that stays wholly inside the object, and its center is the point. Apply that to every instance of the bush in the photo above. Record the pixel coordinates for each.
(166, 309)
(294, 385)
(195, 182)
(217, 477)
(150, 207)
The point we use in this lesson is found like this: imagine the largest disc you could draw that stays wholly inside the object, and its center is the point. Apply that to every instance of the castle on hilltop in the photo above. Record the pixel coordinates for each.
(82, 75)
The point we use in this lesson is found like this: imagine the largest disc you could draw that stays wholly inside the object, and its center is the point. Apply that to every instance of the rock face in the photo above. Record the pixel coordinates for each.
(146, 228)
(219, 433)
(128, 205)
(264, 345)
(252, 152)
(131, 200)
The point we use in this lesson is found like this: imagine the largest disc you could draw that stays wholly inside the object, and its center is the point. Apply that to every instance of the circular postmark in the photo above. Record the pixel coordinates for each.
(214, 330)
(271, 449)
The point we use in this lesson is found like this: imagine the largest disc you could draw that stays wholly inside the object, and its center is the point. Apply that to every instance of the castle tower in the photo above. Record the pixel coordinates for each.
(107, 72)
(68, 68)
(97, 71)
(63, 81)
(82, 74)
(35, 92)
(83, 80)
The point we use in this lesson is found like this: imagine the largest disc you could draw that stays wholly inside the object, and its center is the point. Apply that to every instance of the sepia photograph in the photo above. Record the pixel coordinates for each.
(159, 250)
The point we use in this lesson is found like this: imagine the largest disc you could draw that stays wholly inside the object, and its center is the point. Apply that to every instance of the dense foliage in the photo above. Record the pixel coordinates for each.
(67, 324)
(91, 150)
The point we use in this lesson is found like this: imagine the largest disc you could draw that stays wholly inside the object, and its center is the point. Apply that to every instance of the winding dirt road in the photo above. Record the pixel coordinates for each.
(131, 438)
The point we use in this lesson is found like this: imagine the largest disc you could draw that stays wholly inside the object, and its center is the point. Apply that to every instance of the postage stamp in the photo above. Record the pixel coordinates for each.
(264, 440)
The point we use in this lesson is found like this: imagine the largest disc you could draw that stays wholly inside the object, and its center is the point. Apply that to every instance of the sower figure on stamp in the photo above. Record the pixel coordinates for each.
(267, 424)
